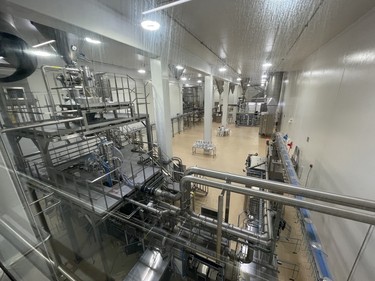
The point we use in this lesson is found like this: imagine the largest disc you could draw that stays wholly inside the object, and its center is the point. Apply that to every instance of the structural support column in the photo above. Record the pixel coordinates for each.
(208, 99)
(224, 117)
(160, 91)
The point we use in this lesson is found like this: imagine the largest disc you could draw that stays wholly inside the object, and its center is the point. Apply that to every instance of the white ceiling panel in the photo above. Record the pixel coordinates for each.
(245, 33)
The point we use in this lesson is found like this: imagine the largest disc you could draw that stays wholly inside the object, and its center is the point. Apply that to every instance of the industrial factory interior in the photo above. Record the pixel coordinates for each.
(210, 140)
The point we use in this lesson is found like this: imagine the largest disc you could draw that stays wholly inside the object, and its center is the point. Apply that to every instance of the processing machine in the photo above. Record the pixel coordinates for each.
(97, 187)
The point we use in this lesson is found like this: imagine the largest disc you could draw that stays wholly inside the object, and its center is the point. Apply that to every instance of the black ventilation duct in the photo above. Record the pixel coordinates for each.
(14, 49)
(62, 43)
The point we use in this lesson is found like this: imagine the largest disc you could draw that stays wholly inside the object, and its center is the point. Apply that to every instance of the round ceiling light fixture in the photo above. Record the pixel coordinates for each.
(150, 25)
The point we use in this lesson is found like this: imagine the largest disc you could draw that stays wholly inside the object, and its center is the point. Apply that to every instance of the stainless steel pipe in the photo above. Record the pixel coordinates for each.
(148, 208)
(220, 206)
(231, 230)
(334, 211)
(343, 200)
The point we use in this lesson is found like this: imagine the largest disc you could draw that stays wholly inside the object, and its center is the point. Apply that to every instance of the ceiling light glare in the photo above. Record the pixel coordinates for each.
(286, 81)
(166, 6)
(41, 53)
(222, 69)
(150, 25)
(92, 41)
(179, 67)
(267, 64)
(141, 71)
(239, 79)
(183, 78)
(44, 43)
(199, 75)
(187, 85)
(199, 81)
(248, 85)
(1, 57)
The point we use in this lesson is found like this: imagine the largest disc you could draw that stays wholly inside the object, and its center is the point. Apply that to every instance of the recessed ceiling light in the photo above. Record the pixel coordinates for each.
(150, 25)
(239, 79)
(92, 41)
(222, 69)
(141, 71)
(183, 78)
(44, 43)
(267, 64)
(179, 67)
(199, 81)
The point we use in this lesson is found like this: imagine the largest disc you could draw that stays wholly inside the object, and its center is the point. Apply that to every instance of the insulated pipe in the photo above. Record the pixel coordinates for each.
(343, 200)
(334, 211)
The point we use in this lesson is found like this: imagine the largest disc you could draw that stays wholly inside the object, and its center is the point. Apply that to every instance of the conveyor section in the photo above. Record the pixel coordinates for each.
(315, 244)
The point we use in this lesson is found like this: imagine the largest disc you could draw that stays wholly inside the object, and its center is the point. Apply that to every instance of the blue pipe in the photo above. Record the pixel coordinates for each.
(318, 255)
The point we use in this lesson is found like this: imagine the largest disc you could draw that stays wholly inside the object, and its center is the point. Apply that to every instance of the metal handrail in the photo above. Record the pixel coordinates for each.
(42, 124)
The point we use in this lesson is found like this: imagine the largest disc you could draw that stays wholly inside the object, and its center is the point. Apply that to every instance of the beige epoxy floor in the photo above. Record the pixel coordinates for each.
(231, 153)
(230, 157)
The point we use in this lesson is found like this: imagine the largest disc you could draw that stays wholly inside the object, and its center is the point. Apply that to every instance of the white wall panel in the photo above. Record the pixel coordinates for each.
(331, 100)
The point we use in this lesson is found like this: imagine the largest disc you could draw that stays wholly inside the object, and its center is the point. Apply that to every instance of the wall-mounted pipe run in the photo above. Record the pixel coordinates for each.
(343, 200)
(319, 256)
(334, 211)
